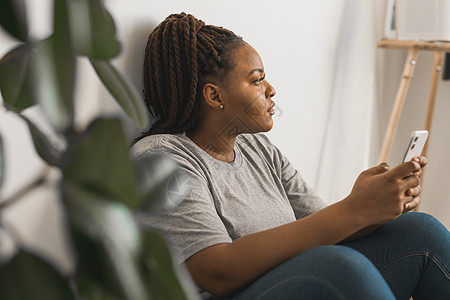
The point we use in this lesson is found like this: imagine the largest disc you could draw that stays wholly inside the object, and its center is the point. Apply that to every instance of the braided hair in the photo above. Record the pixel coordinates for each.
(182, 54)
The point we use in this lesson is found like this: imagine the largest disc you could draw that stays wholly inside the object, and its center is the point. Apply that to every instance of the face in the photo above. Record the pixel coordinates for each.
(247, 96)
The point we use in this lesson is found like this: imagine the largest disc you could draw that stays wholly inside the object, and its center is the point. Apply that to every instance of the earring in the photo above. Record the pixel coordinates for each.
(221, 106)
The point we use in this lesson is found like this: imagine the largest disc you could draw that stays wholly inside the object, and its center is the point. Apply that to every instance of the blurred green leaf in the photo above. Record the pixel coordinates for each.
(161, 276)
(123, 90)
(93, 29)
(106, 240)
(25, 276)
(53, 84)
(13, 18)
(63, 54)
(44, 147)
(15, 81)
(162, 184)
(53, 71)
(43, 75)
(2, 162)
(90, 288)
(101, 161)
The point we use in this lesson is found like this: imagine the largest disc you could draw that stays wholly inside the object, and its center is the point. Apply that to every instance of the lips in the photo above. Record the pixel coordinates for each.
(271, 110)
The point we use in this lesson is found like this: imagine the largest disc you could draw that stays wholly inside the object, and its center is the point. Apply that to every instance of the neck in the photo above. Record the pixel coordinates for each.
(214, 140)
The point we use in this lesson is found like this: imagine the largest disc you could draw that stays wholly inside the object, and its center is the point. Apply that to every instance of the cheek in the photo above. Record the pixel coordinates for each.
(256, 105)
(255, 110)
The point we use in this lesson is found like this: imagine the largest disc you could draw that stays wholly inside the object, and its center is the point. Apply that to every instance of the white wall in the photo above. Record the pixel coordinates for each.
(298, 41)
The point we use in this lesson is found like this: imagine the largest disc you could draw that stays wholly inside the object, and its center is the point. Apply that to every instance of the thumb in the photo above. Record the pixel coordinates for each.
(380, 169)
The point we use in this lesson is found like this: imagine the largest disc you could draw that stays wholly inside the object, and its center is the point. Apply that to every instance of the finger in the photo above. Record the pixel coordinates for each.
(410, 182)
(418, 173)
(380, 169)
(411, 204)
(405, 169)
(414, 192)
(422, 160)
(409, 192)
(385, 165)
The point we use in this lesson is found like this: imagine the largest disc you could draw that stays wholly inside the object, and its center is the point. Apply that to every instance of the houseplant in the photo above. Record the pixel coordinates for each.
(97, 183)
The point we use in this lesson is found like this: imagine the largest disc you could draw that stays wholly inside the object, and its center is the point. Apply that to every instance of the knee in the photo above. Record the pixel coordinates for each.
(337, 256)
(421, 228)
(420, 225)
(344, 270)
(337, 259)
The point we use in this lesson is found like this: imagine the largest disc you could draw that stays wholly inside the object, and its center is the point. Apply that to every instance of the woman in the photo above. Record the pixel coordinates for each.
(250, 226)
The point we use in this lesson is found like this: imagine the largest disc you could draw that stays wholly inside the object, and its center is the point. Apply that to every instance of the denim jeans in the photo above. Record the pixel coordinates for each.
(409, 256)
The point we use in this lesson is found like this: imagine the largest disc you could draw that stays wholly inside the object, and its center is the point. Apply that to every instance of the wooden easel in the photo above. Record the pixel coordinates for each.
(413, 48)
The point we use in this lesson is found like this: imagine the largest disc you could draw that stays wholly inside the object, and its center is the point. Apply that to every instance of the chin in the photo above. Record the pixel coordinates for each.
(262, 125)
(268, 126)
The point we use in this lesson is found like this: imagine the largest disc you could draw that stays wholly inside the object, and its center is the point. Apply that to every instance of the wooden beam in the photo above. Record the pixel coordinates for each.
(418, 45)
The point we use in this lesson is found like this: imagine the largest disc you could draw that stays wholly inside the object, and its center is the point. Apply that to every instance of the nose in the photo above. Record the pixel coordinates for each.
(270, 90)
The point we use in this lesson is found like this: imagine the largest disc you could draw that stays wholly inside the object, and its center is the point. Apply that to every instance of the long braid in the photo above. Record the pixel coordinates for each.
(181, 53)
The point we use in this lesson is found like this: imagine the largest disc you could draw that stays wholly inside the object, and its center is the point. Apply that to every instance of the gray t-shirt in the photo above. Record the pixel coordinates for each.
(259, 190)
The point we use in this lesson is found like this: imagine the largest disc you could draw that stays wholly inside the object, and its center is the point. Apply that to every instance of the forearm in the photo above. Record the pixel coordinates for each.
(234, 265)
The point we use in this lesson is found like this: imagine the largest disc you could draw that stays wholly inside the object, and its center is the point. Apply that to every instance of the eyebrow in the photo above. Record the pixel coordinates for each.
(255, 70)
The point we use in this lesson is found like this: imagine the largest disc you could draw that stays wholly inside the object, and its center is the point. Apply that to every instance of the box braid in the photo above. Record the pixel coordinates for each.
(182, 54)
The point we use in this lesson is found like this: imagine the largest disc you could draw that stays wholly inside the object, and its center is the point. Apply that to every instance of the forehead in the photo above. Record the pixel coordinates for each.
(247, 59)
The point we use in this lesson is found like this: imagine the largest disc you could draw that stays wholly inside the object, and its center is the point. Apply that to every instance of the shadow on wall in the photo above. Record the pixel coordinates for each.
(132, 61)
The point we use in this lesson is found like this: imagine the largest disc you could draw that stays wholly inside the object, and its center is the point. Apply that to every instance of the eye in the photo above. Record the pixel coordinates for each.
(259, 80)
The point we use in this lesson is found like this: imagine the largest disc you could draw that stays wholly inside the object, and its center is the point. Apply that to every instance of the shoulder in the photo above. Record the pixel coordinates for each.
(162, 142)
(187, 155)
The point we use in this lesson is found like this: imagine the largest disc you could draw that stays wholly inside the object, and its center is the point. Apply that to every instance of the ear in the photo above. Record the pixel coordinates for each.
(211, 94)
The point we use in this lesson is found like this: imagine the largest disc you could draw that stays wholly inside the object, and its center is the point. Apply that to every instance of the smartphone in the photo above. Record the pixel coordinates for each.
(415, 145)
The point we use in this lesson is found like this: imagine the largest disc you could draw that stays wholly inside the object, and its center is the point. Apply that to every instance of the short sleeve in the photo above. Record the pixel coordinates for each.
(193, 224)
(302, 197)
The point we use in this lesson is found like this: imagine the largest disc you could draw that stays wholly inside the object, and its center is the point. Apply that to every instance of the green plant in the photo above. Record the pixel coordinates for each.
(99, 185)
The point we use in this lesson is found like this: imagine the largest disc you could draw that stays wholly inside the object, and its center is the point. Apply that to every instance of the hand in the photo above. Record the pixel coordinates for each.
(414, 193)
(380, 193)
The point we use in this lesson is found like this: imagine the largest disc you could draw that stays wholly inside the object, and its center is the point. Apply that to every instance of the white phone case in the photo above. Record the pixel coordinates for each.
(415, 145)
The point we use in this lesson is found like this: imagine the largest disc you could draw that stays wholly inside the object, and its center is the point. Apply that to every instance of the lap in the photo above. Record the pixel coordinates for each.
(397, 256)
(328, 272)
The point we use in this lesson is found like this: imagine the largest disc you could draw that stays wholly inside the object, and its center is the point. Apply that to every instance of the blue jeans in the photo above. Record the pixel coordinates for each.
(409, 256)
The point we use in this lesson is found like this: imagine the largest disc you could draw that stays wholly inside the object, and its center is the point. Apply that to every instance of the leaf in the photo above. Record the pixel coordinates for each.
(42, 75)
(163, 280)
(101, 161)
(123, 91)
(46, 149)
(2, 162)
(15, 81)
(63, 53)
(13, 18)
(28, 277)
(53, 72)
(106, 240)
(93, 30)
(162, 184)
(52, 86)
(90, 288)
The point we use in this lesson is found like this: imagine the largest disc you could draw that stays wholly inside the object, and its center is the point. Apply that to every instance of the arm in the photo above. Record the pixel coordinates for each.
(379, 195)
